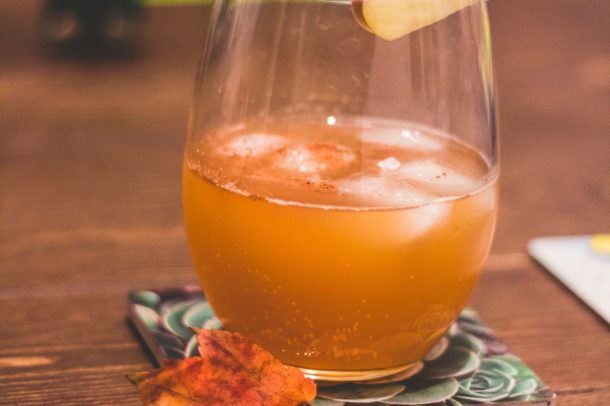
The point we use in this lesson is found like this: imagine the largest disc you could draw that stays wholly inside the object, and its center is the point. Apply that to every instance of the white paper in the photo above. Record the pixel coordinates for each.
(583, 271)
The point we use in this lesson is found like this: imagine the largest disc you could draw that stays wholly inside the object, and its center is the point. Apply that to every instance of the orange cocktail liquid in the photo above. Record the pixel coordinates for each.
(338, 246)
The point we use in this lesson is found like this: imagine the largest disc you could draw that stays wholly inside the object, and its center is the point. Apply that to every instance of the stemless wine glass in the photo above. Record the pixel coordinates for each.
(339, 188)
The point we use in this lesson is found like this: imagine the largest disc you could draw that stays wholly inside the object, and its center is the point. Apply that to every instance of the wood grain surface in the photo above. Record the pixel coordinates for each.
(90, 160)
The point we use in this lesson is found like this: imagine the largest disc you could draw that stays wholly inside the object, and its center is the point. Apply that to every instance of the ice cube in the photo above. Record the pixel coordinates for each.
(365, 186)
(437, 178)
(416, 212)
(419, 216)
(315, 158)
(379, 191)
(420, 220)
(407, 139)
(389, 164)
(252, 145)
(483, 202)
(299, 159)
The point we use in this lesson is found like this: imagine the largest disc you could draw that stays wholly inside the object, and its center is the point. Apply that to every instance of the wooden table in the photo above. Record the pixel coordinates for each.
(90, 196)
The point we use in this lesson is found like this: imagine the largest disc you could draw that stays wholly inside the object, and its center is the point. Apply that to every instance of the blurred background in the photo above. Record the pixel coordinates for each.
(94, 102)
(91, 143)
(92, 126)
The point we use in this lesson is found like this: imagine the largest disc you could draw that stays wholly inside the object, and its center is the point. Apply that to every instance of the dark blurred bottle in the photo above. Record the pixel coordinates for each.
(89, 23)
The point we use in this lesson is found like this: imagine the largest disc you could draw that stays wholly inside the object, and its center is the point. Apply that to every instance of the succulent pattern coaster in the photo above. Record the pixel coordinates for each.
(469, 366)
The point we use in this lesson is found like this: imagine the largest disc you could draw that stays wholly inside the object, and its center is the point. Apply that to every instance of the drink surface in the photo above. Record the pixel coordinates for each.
(338, 246)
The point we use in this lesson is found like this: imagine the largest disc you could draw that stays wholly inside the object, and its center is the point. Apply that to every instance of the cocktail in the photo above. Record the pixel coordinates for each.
(340, 176)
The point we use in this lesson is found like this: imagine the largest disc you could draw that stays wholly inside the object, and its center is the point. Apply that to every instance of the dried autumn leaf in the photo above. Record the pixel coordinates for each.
(169, 385)
(230, 371)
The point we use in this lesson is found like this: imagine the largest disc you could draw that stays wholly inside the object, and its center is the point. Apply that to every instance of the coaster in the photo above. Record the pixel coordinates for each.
(469, 365)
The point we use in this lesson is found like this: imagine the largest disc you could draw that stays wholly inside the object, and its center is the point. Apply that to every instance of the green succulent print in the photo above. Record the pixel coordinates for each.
(468, 366)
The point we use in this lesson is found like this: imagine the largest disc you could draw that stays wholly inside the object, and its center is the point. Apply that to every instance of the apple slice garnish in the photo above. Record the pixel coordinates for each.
(392, 19)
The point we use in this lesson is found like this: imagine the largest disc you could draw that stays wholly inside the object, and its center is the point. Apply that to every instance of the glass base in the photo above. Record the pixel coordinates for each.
(351, 376)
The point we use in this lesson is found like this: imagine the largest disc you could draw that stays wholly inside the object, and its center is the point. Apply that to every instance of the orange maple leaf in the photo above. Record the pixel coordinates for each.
(230, 371)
